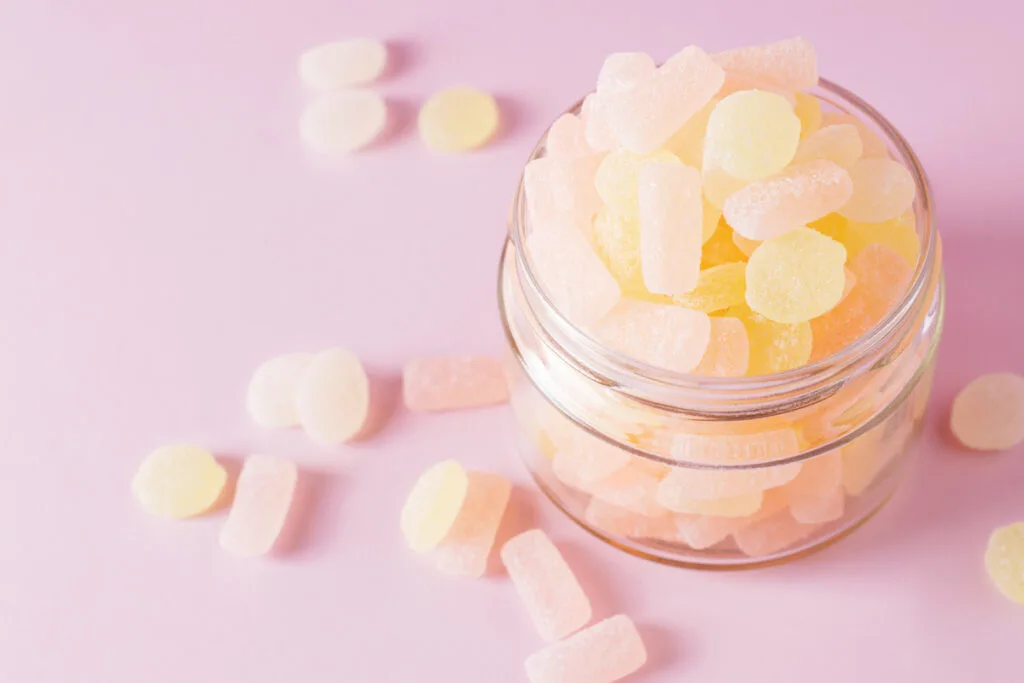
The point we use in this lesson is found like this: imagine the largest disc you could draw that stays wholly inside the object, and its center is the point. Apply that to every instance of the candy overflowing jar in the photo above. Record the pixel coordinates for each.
(722, 472)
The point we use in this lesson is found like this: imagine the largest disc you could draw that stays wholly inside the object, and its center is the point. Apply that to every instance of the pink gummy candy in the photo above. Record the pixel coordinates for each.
(561, 186)
(696, 484)
(764, 446)
(612, 519)
(671, 227)
(728, 353)
(453, 383)
(464, 551)
(818, 509)
(263, 496)
(796, 196)
(769, 536)
(548, 587)
(566, 138)
(606, 652)
(632, 488)
(788, 64)
(663, 335)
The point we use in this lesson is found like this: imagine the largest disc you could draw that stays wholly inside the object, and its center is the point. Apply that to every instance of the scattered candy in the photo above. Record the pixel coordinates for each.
(453, 383)
(1004, 561)
(433, 505)
(718, 288)
(178, 481)
(343, 63)
(332, 398)
(606, 652)
(263, 497)
(882, 189)
(671, 227)
(839, 144)
(458, 119)
(791, 199)
(466, 547)
(788, 64)
(549, 589)
(728, 353)
(774, 347)
(751, 135)
(795, 277)
(665, 336)
(271, 396)
(343, 122)
(988, 414)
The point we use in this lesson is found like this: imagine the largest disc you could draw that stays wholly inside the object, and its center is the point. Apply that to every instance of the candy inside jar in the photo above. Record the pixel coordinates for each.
(722, 292)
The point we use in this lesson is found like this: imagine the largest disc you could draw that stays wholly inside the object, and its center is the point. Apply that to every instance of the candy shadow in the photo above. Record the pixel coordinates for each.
(401, 122)
(513, 118)
(520, 515)
(304, 528)
(385, 397)
(232, 463)
(663, 650)
(403, 54)
(598, 585)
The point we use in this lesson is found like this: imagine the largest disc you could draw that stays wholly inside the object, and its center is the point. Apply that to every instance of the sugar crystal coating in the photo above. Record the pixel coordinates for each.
(808, 110)
(899, 234)
(550, 591)
(270, 398)
(453, 383)
(873, 145)
(774, 347)
(571, 272)
(751, 135)
(458, 119)
(788, 64)
(1004, 561)
(736, 448)
(343, 63)
(718, 288)
(433, 505)
(796, 277)
(709, 484)
(465, 548)
(603, 653)
(665, 336)
(263, 497)
(793, 198)
(618, 178)
(617, 242)
(332, 398)
(839, 144)
(671, 227)
(561, 187)
(882, 189)
(728, 352)
(582, 460)
(178, 481)
(567, 138)
(632, 489)
(988, 414)
(342, 122)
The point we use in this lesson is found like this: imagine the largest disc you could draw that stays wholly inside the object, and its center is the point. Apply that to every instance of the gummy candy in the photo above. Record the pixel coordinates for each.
(818, 509)
(342, 63)
(561, 187)
(747, 246)
(552, 595)
(343, 122)
(839, 144)
(704, 531)
(665, 336)
(728, 353)
(788, 64)
(988, 414)
(572, 274)
(863, 458)
(718, 185)
(872, 144)
(1004, 561)
(603, 653)
(769, 536)
(718, 288)
(632, 489)
(882, 189)
(736, 448)
(617, 242)
(465, 548)
(797, 196)
(795, 277)
(808, 110)
(735, 83)
(612, 519)
(671, 227)
(270, 399)
(433, 505)
(774, 347)
(618, 176)
(732, 506)
(332, 398)
(458, 119)
(751, 134)
(581, 459)
(687, 143)
(819, 476)
(897, 233)
(721, 249)
(566, 138)
(263, 496)
(453, 383)
(698, 484)
(178, 481)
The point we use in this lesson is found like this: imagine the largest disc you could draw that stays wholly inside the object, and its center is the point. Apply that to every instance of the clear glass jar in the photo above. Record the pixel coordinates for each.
(757, 469)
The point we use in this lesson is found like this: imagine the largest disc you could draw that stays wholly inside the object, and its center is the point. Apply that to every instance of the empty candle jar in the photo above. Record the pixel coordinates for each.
(720, 357)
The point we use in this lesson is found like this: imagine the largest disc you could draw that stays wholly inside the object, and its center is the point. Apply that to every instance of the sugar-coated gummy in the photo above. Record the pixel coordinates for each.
(872, 144)
(332, 398)
(603, 653)
(453, 383)
(567, 138)
(343, 63)
(788, 64)
(687, 143)
(665, 336)
(774, 347)
(818, 509)
(342, 122)
(671, 227)
(617, 242)
(458, 119)
(433, 505)
(728, 352)
(718, 185)
(751, 135)
(882, 189)
(467, 545)
(718, 288)
(550, 591)
(819, 476)
(617, 178)
(736, 448)
(632, 488)
(1004, 561)
(899, 234)
(838, 143)
(559, 187)
(771, 535)
(582, 460)
(808, 110)
(263, 497)
(178, 481)
(270, 398)
(709, 484)
(988, 414)
(612, 519)
(740, 505)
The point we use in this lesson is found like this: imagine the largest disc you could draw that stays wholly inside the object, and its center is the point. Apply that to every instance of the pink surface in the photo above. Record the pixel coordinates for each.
(162, 232)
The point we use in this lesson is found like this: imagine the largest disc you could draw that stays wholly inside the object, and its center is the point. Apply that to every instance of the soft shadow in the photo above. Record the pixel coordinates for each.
(233, 464)
(401, 121)
(403, 53)
(513, 118)
(302, 529)
(598, 586)
(664, 649)
(520, 515)
(385, 397)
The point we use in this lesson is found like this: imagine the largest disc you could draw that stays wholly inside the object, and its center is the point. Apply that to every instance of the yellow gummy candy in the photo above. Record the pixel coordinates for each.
(718, 288)
(1004, 561)
(796, 277)
(617, 238)
(433, 505)
(751, 135)
(720, 248)
(179, 481)
(808, 110)
(458, 119)
(688, 142)
(617, 178)
(899, 234)
(774, 347)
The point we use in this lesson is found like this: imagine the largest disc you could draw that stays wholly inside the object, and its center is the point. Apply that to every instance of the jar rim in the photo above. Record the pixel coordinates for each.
(824, 371)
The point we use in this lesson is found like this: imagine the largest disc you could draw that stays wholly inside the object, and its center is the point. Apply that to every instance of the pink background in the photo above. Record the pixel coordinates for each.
(162, 231)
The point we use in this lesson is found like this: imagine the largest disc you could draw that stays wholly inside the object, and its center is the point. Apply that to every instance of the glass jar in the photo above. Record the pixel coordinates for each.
(711, 472)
